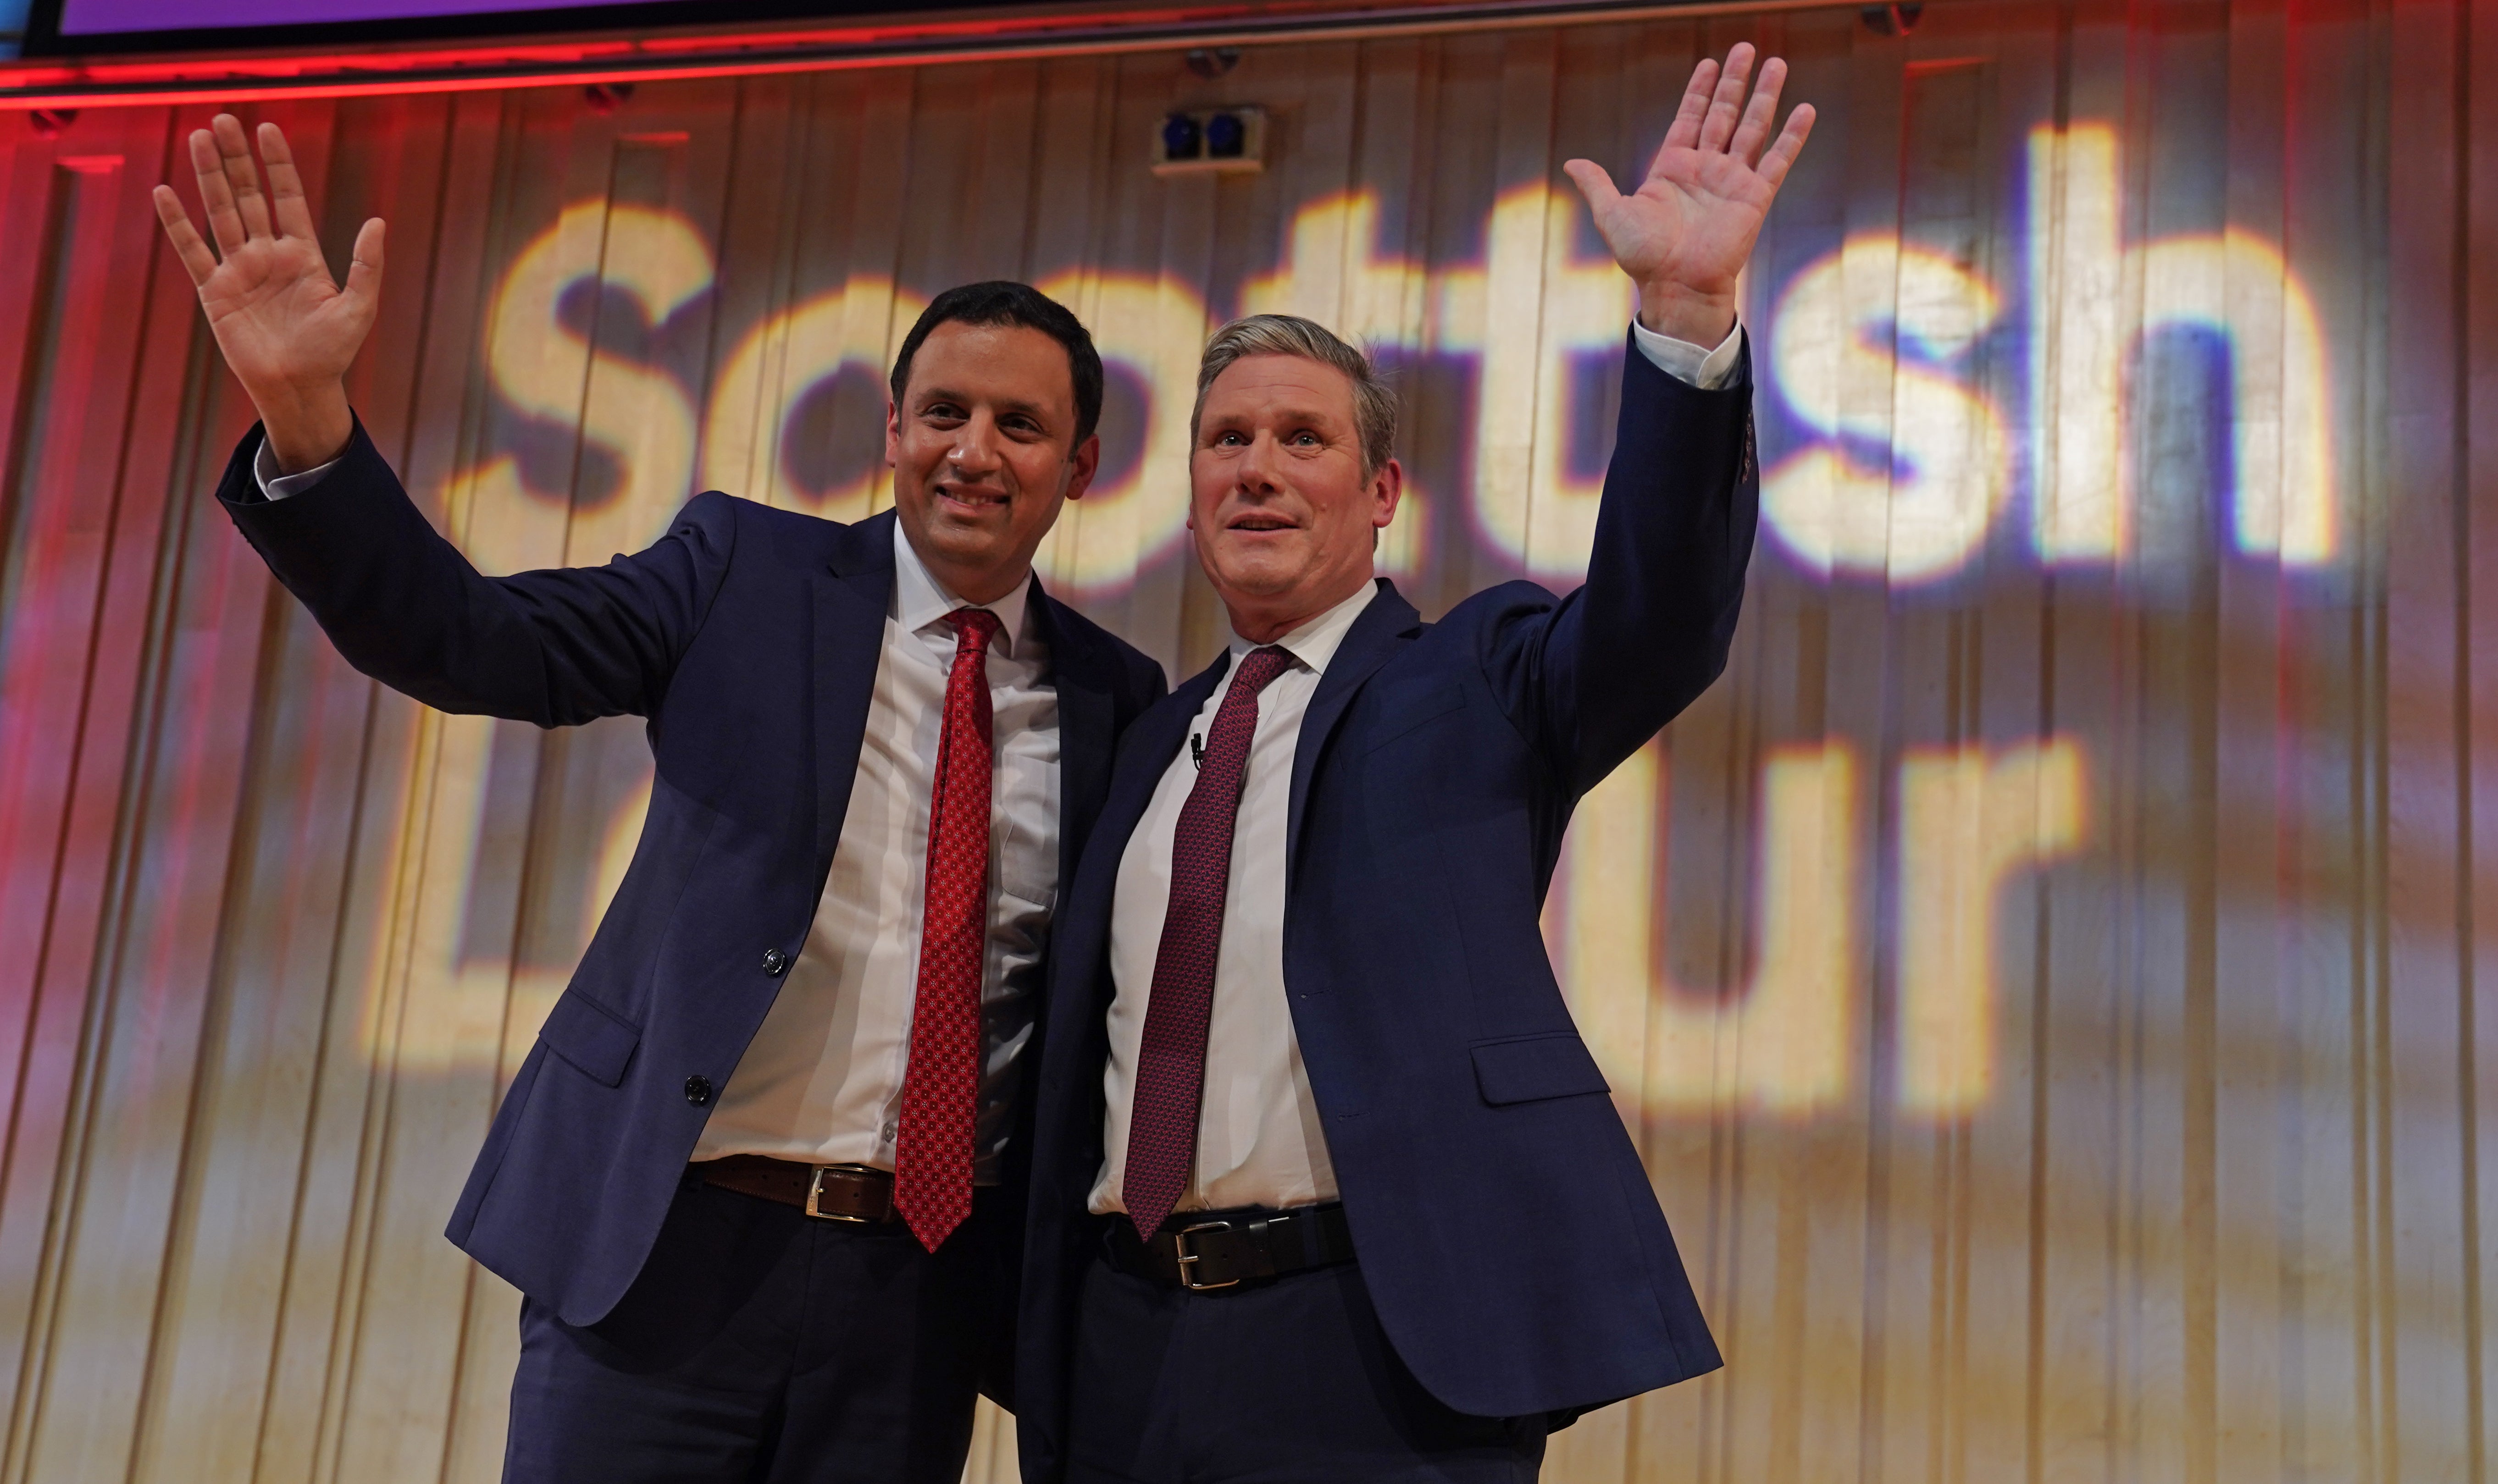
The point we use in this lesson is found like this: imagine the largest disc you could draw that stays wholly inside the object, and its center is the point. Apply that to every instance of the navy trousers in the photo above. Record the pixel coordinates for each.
(1287, 1382)
(762, 1346)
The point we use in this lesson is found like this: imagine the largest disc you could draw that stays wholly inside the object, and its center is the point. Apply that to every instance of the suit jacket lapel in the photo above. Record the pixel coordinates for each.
(1375, 638)
(1145, 754)
(1086, 717)
(852, 597)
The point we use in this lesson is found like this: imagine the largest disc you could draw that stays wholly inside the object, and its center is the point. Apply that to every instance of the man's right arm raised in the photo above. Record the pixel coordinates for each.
(401, 603)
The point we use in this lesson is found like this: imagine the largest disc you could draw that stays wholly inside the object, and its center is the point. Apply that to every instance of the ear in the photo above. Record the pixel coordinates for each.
(893, 433)
(1387, 487)
(1081, 468)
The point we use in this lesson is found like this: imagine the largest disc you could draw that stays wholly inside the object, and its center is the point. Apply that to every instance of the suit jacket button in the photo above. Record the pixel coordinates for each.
(698, 1090)
(774, 961)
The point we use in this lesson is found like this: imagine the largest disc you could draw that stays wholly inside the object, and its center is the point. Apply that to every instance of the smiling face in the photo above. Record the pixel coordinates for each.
(983, 451)
(1285, 518)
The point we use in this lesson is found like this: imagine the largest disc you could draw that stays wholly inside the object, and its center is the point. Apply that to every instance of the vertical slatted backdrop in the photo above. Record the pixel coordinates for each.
(2043, 974)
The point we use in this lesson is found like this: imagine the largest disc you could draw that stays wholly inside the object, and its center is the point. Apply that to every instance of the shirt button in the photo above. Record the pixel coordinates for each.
(774, 961)
(698, 1089)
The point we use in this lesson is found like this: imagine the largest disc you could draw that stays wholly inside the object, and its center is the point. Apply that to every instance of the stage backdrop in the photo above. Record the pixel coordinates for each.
(2041, 975)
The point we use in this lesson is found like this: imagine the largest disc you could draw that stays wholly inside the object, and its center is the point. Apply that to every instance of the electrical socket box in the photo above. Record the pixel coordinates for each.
(1211, 140)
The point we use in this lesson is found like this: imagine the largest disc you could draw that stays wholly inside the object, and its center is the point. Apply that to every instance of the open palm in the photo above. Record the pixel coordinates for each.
(277, 315)
(288, 329)
(1684, 233)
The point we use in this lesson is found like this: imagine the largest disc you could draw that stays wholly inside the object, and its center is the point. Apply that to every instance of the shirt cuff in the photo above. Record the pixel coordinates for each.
(274, 486)
(1710, 371)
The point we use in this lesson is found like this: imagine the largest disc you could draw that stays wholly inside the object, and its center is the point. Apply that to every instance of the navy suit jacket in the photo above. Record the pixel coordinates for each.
(1508, 1236)
(749, 638)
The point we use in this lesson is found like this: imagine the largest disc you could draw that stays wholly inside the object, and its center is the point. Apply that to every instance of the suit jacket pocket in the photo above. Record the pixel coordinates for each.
(590, 1037)
(1526, 1069)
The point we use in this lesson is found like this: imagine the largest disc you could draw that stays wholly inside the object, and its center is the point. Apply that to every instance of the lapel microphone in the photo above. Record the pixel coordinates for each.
(1196, 750)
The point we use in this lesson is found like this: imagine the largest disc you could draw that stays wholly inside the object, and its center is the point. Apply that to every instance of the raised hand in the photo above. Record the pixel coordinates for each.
(1684, 233)
(287, 328)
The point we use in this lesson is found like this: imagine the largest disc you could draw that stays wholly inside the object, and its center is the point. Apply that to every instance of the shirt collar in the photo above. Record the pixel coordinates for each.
(920, 600)
(1315, 642)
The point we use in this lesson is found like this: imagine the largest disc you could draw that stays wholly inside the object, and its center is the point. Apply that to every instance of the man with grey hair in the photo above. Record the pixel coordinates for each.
(1325, 1186)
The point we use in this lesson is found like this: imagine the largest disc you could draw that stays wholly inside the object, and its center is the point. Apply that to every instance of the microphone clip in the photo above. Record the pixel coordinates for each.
(1196, 750)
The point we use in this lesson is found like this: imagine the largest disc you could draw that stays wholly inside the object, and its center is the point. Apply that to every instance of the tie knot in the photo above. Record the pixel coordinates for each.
(973, 628)
(1261, 665)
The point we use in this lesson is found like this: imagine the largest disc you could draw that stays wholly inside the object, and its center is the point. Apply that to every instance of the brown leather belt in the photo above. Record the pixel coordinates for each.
(828, 1193)
(1203, 1251)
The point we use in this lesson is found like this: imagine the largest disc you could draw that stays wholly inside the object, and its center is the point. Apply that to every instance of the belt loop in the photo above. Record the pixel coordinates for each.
(1319, 1237)
(1262, 1246)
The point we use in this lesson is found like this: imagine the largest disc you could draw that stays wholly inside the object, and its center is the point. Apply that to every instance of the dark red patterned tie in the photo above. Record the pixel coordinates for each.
(932, 1151)
(1170, 1059)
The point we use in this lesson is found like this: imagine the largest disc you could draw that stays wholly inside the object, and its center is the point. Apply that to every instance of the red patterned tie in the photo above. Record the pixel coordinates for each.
(932, 1151)
(1170, 1059)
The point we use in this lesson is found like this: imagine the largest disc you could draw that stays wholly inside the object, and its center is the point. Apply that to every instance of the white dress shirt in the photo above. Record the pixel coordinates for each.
(1257, 1138)
(1258, 1141)
(821, 1082)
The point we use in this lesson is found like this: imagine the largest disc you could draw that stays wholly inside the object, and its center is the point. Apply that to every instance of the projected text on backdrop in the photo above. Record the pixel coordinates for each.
(1885, 458)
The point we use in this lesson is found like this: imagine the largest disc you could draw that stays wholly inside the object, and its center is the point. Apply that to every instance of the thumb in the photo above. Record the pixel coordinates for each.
(365, 268)
(1593, 182)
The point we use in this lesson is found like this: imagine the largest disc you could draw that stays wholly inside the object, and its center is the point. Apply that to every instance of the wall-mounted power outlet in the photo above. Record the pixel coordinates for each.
(1229, 137)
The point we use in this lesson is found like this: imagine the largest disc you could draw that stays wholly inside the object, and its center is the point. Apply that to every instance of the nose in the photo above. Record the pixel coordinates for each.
(1260, 465)
(975, 454)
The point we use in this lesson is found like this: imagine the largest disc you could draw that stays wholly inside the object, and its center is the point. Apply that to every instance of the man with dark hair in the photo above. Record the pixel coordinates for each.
(761, 1180)
(1002, 302)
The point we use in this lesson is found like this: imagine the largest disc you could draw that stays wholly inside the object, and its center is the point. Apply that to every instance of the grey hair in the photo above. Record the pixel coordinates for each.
(1374, 401)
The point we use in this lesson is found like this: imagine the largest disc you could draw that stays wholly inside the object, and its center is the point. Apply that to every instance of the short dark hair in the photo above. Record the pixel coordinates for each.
(1001, 301)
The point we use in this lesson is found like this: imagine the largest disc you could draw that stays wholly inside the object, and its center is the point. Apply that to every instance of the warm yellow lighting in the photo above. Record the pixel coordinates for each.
(859, 325)
(1835, 364)
(2282, 503)
(1971, 819)
(1906, 474)
(1786, 1039)
(636, 415)
(1783, 1041)
(1334, 272)
(2281, 500)
(1536, 306)
(2082, 508)
(1155, 328)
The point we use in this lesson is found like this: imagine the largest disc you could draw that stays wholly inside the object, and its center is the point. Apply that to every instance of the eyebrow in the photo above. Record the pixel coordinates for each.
(1298, 415)
(1005, 404)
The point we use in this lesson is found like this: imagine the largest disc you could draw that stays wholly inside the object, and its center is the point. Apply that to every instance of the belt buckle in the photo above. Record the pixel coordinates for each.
(815, 1189)
(1187, 1259)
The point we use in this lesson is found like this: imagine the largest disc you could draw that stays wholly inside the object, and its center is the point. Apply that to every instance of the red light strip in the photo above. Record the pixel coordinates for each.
(435, 68)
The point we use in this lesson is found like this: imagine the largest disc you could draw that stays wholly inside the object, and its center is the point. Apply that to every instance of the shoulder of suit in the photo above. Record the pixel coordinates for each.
(1501, 601)
(792, 535)
(1087, 633)
(762, 516)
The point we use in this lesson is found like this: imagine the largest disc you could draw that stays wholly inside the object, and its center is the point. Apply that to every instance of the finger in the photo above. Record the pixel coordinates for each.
(365, 269)
(196, 258)
(234, 151)
(225, 223)
(1789, 143)
(1726, 105)
(1595, 184)
(1758, 114)
(1685, 132)
(285, 185)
